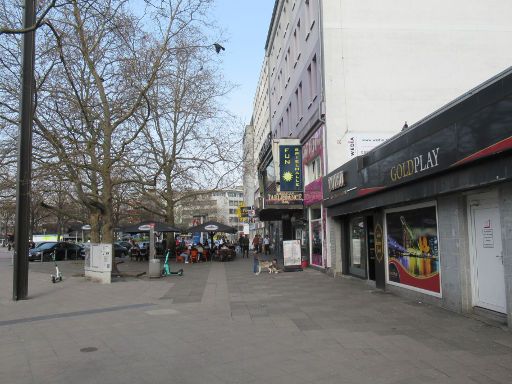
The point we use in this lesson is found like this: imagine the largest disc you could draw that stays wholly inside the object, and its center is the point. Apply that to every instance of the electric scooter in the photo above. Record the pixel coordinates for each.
(58, 275)
(167, 270)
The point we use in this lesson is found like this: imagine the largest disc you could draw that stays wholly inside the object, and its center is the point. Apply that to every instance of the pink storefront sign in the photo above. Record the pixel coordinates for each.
(313, 193)
(313, 147)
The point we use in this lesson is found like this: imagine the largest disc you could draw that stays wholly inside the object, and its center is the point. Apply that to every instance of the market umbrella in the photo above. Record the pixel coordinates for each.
(212, 227)
(151, 227)
(145, 226)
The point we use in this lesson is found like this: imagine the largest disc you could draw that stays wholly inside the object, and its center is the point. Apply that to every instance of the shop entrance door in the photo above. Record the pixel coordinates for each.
(487, 256)
(358, 245)
(362, 247)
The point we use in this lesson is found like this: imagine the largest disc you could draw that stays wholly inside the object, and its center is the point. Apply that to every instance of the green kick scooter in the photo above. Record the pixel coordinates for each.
(167, 270)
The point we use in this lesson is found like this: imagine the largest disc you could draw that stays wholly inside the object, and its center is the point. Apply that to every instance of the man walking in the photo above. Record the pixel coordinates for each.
(245, 246)
(266, 245)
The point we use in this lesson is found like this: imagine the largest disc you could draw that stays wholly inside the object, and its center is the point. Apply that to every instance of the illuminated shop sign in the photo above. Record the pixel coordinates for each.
(284, 198)
(290, 168)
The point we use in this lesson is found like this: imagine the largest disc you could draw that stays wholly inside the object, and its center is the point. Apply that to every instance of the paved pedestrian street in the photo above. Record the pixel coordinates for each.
(219, 323)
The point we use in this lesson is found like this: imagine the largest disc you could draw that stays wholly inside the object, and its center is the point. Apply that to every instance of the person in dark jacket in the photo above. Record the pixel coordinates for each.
(245, 246)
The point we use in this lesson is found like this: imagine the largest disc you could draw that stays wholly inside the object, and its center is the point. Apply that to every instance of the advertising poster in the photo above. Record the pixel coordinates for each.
(291, 253)
(360, 143)
(413, 252)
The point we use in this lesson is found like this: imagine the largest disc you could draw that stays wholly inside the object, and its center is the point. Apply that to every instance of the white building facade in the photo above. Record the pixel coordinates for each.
(345, 76)
(221, 206)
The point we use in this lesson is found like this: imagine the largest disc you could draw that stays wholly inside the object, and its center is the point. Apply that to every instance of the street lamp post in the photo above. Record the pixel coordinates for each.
(20, 269)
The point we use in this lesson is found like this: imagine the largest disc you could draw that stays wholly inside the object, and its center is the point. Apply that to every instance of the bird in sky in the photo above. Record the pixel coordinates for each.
(218, 47)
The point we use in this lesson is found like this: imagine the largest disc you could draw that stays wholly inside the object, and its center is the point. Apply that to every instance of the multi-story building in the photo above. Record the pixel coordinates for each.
(346, 76)
(255, 136)
(221, 206)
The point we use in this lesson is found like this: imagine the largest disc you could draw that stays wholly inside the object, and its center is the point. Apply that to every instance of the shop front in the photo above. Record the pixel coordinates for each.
(427, 214)
(313, 163)
(281, 182)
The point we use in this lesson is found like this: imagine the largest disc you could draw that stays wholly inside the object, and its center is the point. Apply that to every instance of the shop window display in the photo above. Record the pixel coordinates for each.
(412, 248)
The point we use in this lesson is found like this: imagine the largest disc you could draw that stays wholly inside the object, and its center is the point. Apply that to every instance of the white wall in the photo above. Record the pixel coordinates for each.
(390, 61)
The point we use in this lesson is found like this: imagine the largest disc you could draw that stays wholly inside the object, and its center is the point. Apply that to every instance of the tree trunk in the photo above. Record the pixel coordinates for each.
(95, 226)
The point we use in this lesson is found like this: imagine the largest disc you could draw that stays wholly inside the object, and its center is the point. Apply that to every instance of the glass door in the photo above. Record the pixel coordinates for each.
(358, 247)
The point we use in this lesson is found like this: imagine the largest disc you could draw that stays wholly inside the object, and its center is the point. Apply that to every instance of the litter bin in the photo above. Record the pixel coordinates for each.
(154, 268)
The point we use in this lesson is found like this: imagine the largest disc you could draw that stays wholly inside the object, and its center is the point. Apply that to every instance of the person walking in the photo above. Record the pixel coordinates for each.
(256, 243)
(245, 246)
(266, 245)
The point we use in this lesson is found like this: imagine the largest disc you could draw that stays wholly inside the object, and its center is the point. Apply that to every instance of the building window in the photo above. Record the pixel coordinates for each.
(286, 68)
(290, 61)
(296, 43)
(413, 248)
(313, 170)
(289, 119)
(300, 103)
(297, 104)
(307, 17)
(312, 79)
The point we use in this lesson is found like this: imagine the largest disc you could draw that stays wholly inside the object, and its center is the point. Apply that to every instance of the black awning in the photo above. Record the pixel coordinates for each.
(212, 226)
(276, 214)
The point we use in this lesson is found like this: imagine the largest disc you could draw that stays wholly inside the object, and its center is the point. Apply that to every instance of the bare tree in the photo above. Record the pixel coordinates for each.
(127, 103)
(95, 101)
(192, 145)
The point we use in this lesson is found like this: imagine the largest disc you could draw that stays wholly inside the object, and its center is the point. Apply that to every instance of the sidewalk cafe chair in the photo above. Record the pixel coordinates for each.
(143, 254)
(134, 253)
(194, 255)
(179, 258)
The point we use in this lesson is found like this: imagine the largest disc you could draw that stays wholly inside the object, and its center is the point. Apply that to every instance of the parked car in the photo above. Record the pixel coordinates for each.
(119, 250)
(125, 244)
(158, 247)
(63, 251)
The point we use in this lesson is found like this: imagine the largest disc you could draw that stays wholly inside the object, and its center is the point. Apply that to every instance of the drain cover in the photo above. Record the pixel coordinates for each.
(88, 349)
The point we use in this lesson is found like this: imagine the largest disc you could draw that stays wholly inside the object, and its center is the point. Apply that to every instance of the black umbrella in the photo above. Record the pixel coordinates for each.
(212, 226)
(144, 226)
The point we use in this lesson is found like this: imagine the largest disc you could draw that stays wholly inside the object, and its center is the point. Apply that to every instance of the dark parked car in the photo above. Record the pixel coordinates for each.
(119, 251)
(125, 244)
(62, 251)
(159, 250)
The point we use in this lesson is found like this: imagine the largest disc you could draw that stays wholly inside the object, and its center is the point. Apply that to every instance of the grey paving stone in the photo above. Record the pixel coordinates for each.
(221, 324)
